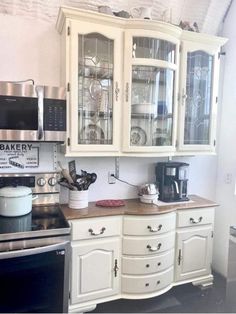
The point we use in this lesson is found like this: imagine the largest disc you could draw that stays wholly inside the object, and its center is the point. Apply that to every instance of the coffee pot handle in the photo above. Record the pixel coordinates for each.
(176, 186)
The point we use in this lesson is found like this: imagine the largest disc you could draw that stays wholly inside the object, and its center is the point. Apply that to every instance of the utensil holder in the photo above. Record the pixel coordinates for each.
(78, 199)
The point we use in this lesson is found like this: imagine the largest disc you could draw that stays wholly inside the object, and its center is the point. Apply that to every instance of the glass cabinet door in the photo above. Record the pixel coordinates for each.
(198, 96)
(152, 94)
(198, 102)
(95, 74)
(95, 89)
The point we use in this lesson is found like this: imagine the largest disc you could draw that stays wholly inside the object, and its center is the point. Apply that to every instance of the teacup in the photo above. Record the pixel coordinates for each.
(142, 12)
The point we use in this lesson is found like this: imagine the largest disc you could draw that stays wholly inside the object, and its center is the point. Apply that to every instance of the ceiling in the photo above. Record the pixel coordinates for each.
(208, 14)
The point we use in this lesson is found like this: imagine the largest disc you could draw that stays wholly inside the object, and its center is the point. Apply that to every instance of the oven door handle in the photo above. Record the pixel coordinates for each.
(40, 94)
(33, 251)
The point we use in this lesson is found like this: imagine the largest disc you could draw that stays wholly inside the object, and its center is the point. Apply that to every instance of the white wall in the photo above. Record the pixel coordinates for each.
(226, 213)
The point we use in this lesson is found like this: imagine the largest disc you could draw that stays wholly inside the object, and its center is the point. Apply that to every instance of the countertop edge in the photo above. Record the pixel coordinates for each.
(134, 207)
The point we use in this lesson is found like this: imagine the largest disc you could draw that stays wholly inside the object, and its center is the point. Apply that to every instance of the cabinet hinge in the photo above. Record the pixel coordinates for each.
(68, 141)
(69, 295)
(180, 48)
(212, 234)
(221, 53)
(214, 142)
(68, 87)
(68, 31)
(216, 99)
(179, 257)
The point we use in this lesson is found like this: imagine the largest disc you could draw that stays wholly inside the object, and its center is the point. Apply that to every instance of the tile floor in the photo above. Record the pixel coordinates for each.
(181, 299)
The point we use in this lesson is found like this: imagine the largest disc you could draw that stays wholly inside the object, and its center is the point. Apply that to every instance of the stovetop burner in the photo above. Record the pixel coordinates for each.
(42, 221)
(46, 218)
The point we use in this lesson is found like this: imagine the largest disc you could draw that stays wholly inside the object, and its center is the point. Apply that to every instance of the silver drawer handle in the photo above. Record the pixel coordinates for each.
(193, 221)
(154, 248)
(95, 234)
(151, 229)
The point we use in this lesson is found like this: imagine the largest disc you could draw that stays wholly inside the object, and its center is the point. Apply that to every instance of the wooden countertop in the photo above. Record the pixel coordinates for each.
(134, 207)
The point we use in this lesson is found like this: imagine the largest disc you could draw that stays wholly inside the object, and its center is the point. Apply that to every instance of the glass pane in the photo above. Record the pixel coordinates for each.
(199, 98)
(13, 111)
(95, 89)
(153, 48)
(152, 106)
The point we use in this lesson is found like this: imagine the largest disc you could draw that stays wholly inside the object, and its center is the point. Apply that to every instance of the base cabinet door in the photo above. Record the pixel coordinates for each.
(95, 269)
(193, 253)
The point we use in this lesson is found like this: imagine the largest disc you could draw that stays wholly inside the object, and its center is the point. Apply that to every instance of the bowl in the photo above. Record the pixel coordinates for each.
(148, 199)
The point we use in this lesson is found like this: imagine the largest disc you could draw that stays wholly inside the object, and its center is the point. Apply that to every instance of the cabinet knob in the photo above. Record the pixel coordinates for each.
(155, 229)
(159, 264)
(147, 284)
(95, 234)
(193, 221)
(158, 282)
(154, 248)
(147, 265)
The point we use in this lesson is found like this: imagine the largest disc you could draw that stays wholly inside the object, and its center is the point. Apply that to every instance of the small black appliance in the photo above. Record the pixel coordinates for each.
(172, 180)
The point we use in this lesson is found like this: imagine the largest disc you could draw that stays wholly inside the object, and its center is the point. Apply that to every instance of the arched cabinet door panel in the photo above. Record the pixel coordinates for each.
(193, 253)
(94, 271)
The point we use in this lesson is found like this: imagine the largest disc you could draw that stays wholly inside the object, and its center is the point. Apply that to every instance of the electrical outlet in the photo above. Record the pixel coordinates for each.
(111, 178)
(228, 178)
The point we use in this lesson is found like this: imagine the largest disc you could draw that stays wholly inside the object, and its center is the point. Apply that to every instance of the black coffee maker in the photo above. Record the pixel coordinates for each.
(172, 180)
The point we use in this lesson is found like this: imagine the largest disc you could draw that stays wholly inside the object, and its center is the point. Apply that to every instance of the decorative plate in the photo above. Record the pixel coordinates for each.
(93, 134)
(138, 137)
(110, 203)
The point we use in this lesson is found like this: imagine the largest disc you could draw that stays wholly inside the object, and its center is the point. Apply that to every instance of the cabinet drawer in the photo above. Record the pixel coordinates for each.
(147, 284)
(90, 228)
(148, 245)
(195, 217)
(154, 224)
(147, 265)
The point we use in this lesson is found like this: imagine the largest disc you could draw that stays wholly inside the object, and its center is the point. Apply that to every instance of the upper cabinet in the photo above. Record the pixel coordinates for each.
(137, 87)
(200, 56)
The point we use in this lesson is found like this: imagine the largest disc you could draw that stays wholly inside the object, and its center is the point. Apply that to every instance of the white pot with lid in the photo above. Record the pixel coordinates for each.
(15, 201)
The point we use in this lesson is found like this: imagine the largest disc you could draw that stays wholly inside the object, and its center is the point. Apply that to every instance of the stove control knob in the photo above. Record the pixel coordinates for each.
(52, 181)
(41, 181)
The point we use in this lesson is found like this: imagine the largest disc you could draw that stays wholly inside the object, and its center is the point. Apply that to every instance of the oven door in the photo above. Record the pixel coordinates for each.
(35, 280)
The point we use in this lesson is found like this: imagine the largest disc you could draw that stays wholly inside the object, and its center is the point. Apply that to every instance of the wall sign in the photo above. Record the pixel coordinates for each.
(19, 155)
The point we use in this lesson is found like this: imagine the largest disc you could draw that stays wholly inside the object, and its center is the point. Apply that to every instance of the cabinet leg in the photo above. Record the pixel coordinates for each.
(83, 309)
(204, 283)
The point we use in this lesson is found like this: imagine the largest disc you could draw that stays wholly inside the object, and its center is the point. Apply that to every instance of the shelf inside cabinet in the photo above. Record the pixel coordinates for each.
(99, 114)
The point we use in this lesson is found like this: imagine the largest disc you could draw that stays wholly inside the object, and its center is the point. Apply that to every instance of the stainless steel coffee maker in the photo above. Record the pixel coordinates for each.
(172, 181)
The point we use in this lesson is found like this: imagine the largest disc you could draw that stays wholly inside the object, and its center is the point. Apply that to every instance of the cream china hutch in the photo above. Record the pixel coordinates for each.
(137, 87)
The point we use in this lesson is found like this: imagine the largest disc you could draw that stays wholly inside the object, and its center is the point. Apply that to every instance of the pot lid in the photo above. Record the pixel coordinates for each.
(11, 191)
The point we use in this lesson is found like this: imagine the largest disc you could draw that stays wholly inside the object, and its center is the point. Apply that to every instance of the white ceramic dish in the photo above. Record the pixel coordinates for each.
(149, 199)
